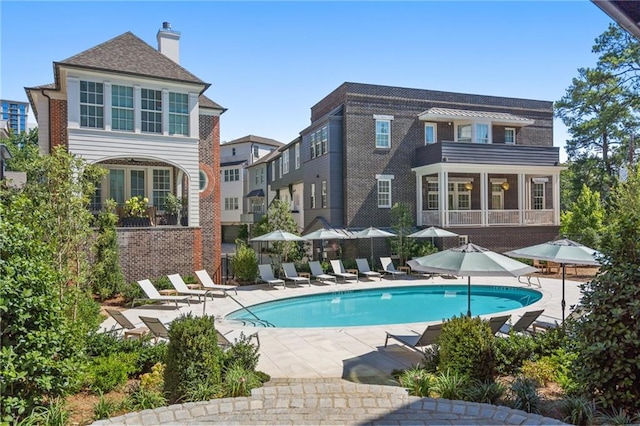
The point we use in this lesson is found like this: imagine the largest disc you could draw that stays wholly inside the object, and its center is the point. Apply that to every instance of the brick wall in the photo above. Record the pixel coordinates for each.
(156, 252)
(58, 123)
(210, 244)
(501, 239)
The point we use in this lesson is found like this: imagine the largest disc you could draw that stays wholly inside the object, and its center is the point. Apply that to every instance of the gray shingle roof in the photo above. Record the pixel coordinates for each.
(128, 54)
(208, 103)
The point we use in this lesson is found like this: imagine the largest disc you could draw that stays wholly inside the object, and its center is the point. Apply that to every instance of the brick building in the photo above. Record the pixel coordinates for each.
(134, 110)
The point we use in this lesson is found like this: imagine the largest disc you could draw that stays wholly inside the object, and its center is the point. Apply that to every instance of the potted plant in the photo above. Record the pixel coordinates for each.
(135, 212)
(172, 206)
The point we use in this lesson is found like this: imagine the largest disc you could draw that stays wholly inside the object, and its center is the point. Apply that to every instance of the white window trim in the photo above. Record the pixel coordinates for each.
(514, 135)
(312, 192)
(376, 133)
(148, 181)
(437, 192)
(285, 162)
(383, 178)
(474, 131)
(435, 133)
(296, 150)
(323, 194)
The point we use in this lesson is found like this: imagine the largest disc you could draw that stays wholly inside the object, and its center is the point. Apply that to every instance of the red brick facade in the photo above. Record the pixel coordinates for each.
(58, 123)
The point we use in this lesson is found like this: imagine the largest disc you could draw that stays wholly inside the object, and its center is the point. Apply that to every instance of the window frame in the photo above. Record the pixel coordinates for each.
(433, 126)
(380, 134)
(151, 111)
(178, 114)
(117, 99)
(513, 130)
(285, 161)
(92, 103)
(381, 192)
(323, 194)
(312, 193)
(535, 197)
(231, 175)
(296, 150)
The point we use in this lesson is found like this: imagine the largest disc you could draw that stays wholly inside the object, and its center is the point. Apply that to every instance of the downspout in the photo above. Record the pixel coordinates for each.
(49, 118)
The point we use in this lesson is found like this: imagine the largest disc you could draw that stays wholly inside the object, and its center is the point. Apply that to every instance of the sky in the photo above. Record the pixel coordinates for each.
(269, 62)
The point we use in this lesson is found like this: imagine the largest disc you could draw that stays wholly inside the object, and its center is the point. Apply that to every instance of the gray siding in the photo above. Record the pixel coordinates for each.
(473, 153)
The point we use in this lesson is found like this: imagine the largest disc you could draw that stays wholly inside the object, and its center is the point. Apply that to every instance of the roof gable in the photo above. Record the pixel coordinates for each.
(129, 54)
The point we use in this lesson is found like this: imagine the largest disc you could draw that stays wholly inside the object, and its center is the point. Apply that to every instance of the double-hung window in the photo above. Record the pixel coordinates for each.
(323, 194)
(429, 133)
(324, 139)
(312, 192)
(384, 193)
(460, 195)
(231, 175)
(296, 150)
(510, 136)
(285, 162)
(464, 133)
(136, 181)
(161, 186)
(151, 111)
(313, 145)
(383, 134)
(231, 203)
(91, 105)
(178, 114)
(122, 108)
(538, 196)
(432, 195)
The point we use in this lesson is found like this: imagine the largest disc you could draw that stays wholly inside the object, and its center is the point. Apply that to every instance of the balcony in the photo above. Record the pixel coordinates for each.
(250, 218)
(488, 218)
(475, 153)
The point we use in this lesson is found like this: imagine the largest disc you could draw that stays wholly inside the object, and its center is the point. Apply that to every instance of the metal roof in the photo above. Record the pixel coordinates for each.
(461, 114)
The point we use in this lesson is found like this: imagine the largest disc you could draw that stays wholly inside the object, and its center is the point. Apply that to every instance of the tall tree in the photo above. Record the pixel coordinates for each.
(584, 222)
(23, 148)
(279, 217)
(402, 224)
(608, 337)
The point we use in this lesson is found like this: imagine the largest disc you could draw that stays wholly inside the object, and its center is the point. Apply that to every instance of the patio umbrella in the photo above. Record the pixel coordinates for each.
(472, 261)
(562, 251)
(372, 233)
(324, 234)
(278, 235)
(432, 232)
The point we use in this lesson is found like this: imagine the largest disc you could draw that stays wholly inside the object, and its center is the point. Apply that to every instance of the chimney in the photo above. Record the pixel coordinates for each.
(169, 42)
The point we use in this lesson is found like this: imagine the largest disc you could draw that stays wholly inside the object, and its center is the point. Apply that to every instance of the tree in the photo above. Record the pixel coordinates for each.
(279, 217)
(402, 224)
(23, 148)
(608, 338)
(584, 221)
(106, 275)
(37, 348)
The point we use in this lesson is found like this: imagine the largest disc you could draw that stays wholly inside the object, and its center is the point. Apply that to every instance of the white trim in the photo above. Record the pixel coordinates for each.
(390, 203)
(385, 177)
(539, 180)
(514, 136)
(383, 117)
(435, 132)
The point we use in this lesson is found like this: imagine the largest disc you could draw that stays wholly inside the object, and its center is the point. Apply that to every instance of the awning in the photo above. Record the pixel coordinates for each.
(441, 114)
(256, 193)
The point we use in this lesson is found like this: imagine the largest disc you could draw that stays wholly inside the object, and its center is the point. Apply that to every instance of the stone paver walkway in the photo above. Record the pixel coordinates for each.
(330, 402)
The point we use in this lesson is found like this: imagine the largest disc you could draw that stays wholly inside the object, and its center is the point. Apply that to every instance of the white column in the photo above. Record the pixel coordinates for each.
(521, 191)
(483, 197)
(443, 189)
(194, 124)
(165, 113)
(419, 199)
(555, 179)
(73, 103)
(107, 106)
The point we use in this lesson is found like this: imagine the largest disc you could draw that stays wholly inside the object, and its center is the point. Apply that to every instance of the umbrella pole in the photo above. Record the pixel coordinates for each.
(563, 304)
(469, 296)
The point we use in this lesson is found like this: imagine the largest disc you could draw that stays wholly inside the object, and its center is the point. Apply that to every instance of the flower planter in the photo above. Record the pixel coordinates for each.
(171, 219)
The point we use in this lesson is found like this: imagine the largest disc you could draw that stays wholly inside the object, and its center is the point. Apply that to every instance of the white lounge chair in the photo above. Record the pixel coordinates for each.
(363, 268)
(182, 288)
(523, 324)
(266, 275)
(339, 271)
(153, 294)
(389, 268)
(417, 341)
(207, 283)
(318, 273)
(128, 328)
(291, 274)
(415, 269)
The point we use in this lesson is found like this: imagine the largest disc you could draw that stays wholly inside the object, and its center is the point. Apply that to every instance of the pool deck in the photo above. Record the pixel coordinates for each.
(354, 353)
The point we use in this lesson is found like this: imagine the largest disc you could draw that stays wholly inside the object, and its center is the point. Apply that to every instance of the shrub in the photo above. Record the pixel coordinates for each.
(512, 352)
(452, 385)
(104, 408)
(487, 392)
(242, 353)
(202, 391)
(578, 410)
(54, 414)
(130, 291)
(566, 371)
(525, 395)
(618, 417)
(541, 371)
(418, 381)
(107, 373)
(245, 262)
(106, 275)
(145, 352)
(193, 356)
(153, 381)
(466, 348)
(140, 398)
(238, 381)
(431, 358)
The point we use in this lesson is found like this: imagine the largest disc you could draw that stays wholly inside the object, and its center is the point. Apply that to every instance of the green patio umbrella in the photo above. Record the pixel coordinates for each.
(562, 251)
(471, 260)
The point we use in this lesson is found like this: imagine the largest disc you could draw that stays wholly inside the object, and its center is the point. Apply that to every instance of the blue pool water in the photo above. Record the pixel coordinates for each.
(396, 305)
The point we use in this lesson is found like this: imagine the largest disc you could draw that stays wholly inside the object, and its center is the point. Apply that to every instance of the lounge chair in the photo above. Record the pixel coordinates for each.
(128, 328)
(416, 269)
(157, 328)
(266, 275)
(363, 268)
(208, 283)
(182, 289)
(389, 268)
(417, 341)
(339, 271)
(291, 274)
(523, 324)
(495, 323)
(230, 338)
(318, 273)
(546, 325)
(153, 294)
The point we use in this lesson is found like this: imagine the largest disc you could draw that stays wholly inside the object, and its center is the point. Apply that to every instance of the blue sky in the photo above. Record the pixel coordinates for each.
(270, 62)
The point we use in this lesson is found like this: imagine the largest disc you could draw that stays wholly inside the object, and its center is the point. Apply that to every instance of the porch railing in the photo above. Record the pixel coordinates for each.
(493, 217)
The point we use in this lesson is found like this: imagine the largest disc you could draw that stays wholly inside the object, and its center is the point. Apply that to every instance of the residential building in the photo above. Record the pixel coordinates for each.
(15, 113)
(137, 112)
(235, 157)
(259, 193)
(287, 179)
(482, 166)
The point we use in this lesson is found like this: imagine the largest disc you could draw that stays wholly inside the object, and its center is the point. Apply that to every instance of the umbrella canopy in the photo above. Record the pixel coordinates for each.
(563, 251)
(372, 233)
(324, 234)
(278, 235)
(472, 261)
(432, 232)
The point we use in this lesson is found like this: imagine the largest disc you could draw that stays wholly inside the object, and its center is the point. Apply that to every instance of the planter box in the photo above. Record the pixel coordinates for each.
(130, 222)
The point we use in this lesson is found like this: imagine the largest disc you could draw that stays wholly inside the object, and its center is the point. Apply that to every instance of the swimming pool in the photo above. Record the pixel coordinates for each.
(396, 305)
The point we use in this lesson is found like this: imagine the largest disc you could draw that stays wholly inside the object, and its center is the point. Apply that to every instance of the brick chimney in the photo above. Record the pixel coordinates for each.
(169, 42)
